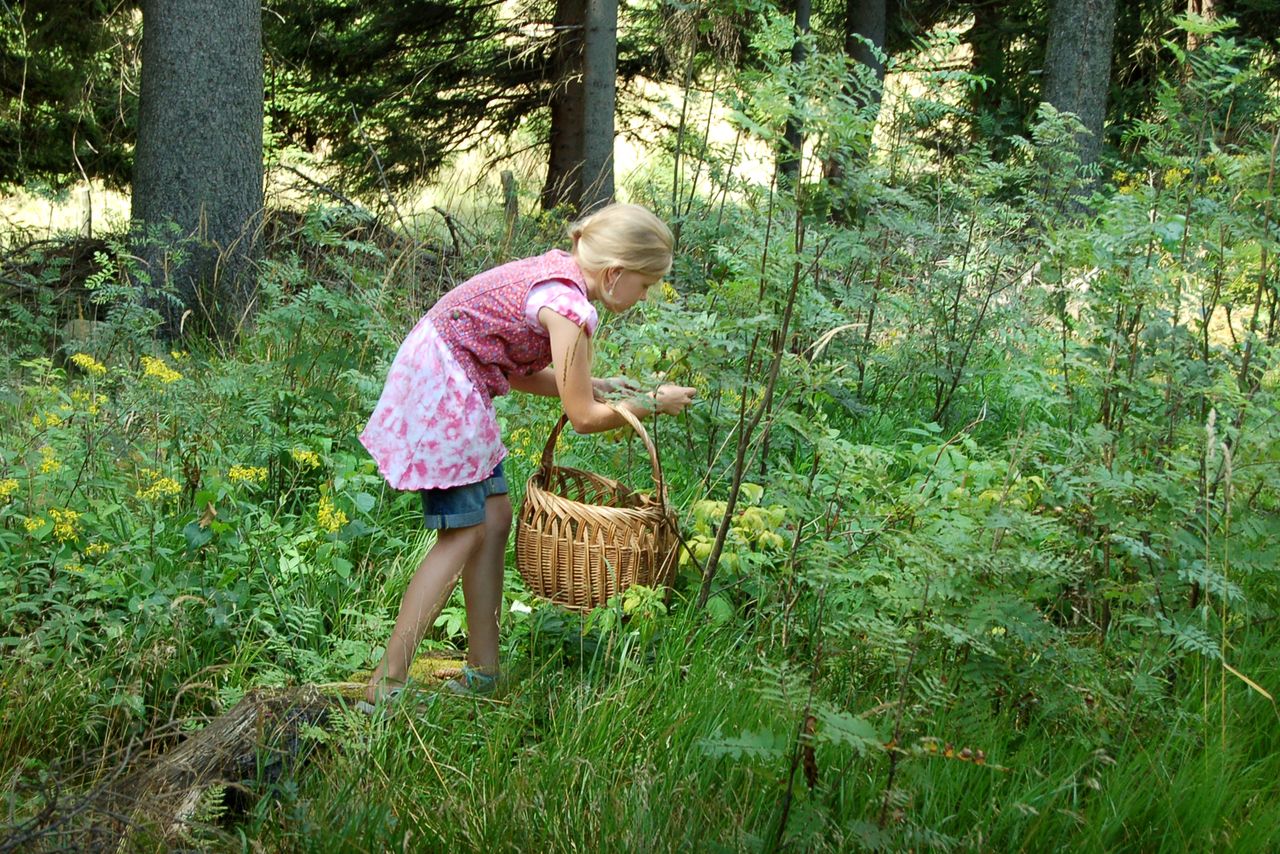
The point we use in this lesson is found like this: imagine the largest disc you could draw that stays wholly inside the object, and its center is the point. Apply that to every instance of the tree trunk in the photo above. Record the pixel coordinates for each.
(1077, 65)
(599, 78)
(863, 19)
(198, 162)
(580, 164)
(1206, 9)
(987, 42)
(564, 163)
(866, 19)
(790, 156)
(258, 739)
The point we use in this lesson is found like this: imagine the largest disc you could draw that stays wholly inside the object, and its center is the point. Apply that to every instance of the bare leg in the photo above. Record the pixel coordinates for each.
(482, 585)
(422, 602)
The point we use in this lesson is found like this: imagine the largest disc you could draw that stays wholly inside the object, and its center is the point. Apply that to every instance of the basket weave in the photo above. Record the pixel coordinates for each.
(582, 538)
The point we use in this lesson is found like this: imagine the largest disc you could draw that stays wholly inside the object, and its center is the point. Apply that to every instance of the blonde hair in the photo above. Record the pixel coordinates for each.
(626, 236)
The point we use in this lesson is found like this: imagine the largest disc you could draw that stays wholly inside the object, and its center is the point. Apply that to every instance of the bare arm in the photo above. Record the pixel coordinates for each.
(543, 383)
(571, 357)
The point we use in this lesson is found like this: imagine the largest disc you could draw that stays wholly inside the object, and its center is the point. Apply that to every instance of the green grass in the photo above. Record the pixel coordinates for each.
(617, 751)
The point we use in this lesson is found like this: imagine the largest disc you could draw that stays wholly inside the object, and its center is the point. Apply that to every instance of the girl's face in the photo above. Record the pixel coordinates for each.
(624, 288)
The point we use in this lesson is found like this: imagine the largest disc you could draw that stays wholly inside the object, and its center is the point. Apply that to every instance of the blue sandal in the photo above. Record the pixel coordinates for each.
(386, 701)
(472, 682)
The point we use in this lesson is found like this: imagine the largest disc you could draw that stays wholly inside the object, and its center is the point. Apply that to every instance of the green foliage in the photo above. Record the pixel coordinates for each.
(68, 78)
(409, 82)
(978, 492)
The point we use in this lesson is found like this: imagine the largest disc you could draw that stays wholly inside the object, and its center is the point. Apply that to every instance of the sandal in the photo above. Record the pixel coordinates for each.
(472, 682)
(386, 700)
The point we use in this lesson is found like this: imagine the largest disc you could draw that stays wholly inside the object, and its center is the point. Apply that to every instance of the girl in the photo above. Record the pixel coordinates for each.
(434, 429)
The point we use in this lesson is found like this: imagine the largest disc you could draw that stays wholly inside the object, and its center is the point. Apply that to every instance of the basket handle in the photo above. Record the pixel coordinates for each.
(548, 452)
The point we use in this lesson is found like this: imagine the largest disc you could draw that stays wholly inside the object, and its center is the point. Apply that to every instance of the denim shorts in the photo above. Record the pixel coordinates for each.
(460, 506)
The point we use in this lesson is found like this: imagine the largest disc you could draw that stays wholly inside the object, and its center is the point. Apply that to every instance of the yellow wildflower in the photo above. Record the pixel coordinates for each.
(47, 419)
(96, 549)
(91, 402)
(521, 444)
(247, 474)
(303, 457)
(73, 567)
(179, 355)
(66, 524)
(8, 487)
(160, 488)
(49, 462)
(330, 517)
(88, 364)
(153, 367)
(32, 523)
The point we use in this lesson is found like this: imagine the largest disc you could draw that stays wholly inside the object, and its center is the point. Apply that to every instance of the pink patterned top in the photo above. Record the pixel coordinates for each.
(434, 426)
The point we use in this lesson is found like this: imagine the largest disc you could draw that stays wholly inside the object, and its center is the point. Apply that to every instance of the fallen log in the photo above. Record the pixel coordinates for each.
(253, 743)
(244, 750)
(164, 799)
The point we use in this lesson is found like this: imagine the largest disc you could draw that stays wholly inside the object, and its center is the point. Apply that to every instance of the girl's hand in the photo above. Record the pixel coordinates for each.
(672, 399)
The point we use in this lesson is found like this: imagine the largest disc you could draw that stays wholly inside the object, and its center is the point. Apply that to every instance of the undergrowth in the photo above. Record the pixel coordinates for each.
(978, 501)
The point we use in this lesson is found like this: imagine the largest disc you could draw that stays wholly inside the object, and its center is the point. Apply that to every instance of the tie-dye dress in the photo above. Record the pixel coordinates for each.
(434, 426)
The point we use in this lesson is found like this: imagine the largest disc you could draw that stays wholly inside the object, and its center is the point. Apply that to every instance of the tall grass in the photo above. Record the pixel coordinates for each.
(615, 751)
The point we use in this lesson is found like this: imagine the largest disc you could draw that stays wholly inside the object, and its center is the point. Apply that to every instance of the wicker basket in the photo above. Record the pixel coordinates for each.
(582, 538)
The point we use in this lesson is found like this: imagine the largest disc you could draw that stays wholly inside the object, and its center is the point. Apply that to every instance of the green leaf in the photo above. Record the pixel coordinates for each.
(196, 536)
(720, 610)
(837, 727)
(748, 745)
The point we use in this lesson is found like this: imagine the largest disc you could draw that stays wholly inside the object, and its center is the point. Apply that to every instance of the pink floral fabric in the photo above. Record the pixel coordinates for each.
(434, 426)
(482, 320)
(564, 300)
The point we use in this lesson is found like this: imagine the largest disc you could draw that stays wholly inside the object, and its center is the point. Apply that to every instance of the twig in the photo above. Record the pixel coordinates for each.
(324, 188)
(896, 738)
(382, 175)
(453, 228)
(803, 748)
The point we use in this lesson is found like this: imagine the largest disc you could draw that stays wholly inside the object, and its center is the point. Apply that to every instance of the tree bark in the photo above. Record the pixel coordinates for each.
(599, 78)
(864, 21)
(1204, 8)
(198, 161)
(1077, 66)
(789, 158)
(584, 96)
(564, 162)
(257, 739)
